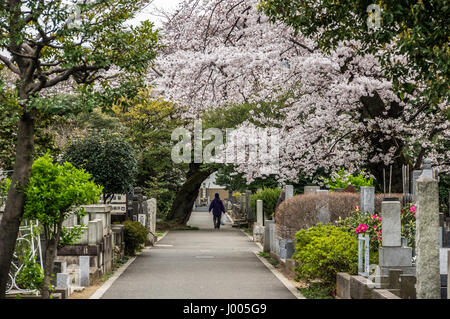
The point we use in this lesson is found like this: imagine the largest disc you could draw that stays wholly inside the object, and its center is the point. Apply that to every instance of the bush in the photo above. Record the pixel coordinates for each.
(323, 251)
(31, 276)
(269, 196)
(364, 224)
(135, 237)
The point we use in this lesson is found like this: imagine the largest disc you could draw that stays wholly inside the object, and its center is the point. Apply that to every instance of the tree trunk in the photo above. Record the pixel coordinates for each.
(374, 107)
(50, 255)
(9, 226)
(184, 201)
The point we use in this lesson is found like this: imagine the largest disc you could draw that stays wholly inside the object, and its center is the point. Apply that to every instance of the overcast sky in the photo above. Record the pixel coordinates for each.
(151, 13)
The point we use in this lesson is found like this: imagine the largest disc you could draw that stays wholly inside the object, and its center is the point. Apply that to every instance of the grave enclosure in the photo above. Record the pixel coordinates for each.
(402, 272)
(101, 244)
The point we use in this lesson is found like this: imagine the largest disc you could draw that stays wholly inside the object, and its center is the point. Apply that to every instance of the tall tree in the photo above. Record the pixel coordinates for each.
(50, 49)
(343, 110)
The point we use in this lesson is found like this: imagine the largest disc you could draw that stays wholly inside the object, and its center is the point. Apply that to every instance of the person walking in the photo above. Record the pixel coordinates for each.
(217, 208)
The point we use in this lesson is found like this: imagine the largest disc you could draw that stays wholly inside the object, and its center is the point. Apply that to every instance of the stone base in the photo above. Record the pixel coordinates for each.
(395, 257)
(343, 285)
(360, 288)
(258, 233)
(384, 294)
(405, 270)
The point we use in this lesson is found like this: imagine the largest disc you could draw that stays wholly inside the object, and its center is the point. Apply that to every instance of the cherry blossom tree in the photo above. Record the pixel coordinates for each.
(341, 110)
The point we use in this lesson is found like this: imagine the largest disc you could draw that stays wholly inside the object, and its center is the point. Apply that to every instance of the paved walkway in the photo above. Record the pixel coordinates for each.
(205, 263)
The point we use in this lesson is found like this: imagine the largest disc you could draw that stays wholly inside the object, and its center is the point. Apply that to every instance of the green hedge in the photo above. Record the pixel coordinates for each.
(323, 251)
(269, 196)
(135, 237)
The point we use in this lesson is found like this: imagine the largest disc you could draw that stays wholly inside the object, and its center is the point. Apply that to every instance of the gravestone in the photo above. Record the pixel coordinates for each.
(415, 176)
(289, 191)
(259, 212)
(448, 272)
(100, 212)
(391, 222)
(392, 254)
(322, 206)
(311, 189)
(138, 199)
(268, 235)
(142, 219)
(92, 232)
(427, 240)
(283, 250)
(152, 210)
(290, 248)
(84, 271)
(427, 169)
(367, 199)
(62, 280)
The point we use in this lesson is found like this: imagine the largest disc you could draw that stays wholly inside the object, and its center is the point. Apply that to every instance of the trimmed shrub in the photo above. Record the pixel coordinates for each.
(135, 237)
(301, 211)
(269, 196)
(324, 250)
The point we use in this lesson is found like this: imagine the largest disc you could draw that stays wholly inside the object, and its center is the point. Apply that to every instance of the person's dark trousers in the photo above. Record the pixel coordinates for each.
(216, 220)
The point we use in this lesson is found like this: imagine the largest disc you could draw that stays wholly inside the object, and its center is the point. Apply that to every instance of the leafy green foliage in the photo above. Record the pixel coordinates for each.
(71, 236)
(149, 123)
(323, 251)
(317, 290)
(365, 224)
(4, 188)
(408, 220)
(31, 276)
(108, 158)
(342, 179)
(269, 196)
(54, 190)
(9, 120)
(135, 237)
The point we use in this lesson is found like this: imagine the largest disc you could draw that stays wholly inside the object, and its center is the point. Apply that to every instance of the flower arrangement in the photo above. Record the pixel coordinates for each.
(408, 218)
(366, 224)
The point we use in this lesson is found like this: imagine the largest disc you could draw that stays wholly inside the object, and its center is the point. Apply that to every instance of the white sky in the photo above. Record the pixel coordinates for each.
(151, 11)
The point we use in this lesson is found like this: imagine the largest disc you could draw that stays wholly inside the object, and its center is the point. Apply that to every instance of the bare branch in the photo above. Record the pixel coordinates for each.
(9, 64)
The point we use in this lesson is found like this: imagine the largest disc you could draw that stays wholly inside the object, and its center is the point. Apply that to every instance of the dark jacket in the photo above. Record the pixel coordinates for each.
(217, 206)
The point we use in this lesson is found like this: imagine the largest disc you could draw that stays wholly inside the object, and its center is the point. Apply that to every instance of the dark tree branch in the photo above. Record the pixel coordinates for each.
(9, 64)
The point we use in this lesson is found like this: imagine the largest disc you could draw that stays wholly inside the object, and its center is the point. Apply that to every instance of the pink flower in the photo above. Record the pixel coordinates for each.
(361, 228)
(375, 227)
(357, 208)
(412, 209)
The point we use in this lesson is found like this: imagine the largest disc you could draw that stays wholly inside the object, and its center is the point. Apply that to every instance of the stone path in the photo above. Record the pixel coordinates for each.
(205, 263)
